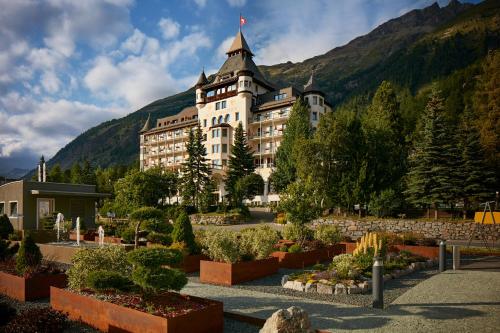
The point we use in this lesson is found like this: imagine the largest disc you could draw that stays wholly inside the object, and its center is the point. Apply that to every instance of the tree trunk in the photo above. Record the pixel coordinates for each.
(435, 212)
(136, 238)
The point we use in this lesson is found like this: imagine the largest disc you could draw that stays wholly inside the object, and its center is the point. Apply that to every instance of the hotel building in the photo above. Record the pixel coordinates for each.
(237, 93)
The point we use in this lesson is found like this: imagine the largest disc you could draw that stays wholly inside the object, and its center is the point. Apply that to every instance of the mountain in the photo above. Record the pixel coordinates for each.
(411, 51)
(15, 173)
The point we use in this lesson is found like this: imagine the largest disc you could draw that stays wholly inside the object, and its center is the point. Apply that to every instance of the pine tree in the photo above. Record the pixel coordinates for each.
(55, 174)
(28, 256)
(297, 127)
(195, 170)
(478, 180)
(433, 179)
(183, 232)
(76, 173)
(240, 163)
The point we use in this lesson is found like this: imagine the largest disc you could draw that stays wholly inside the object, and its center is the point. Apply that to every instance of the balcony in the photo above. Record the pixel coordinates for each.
(267, 117)
(222, 96)
(266, 135)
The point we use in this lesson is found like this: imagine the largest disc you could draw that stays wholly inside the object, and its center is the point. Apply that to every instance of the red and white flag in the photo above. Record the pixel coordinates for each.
(242, 20)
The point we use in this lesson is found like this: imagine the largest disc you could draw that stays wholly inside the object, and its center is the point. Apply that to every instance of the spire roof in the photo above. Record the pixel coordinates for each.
(202, 80)
(239, 43)
(311, 84)
(147, 124)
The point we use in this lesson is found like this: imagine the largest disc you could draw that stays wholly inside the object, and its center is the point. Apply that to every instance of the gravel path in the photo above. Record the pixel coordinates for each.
(230, 325)
(392, 290)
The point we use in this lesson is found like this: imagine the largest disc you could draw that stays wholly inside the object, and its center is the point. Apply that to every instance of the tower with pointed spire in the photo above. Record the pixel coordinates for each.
(237, 93)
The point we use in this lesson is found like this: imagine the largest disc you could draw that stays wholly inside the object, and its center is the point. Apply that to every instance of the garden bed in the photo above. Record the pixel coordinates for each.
(229, 274)
(108, 239)
(30, 288)
(430, 252)
(191, 263)
(307, 258)
(170, 312)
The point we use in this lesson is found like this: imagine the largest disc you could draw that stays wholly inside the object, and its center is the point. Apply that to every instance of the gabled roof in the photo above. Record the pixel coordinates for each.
(147, 125)
(239, 43)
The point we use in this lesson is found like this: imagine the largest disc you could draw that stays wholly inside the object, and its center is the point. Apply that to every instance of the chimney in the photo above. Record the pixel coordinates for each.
(42, 172)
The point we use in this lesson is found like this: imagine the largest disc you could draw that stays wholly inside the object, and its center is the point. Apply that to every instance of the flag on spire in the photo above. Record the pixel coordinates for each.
(242, 21)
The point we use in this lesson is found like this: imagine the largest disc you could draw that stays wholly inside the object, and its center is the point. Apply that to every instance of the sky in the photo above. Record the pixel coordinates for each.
(68, 65)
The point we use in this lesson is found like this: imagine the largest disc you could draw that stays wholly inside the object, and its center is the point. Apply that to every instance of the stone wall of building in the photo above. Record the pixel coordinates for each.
(437, 230)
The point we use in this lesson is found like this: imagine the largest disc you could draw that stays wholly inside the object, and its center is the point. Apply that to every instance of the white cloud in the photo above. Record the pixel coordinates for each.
(236, 3)
(224, 47)
(169, 28)
(50, 82)
(200, 3)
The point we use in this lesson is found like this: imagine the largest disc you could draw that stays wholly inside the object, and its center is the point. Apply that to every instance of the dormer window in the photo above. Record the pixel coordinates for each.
(279, 97)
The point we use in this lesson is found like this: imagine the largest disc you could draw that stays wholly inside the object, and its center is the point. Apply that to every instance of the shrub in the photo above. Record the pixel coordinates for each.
(41, 320)
(108, 258)
(7, 251)
(128, 235)
(364, 261)
(319, 267)
(144, 215)
(6, 227)
(258, 242)
(159, 238)
(327, 234)
(283, 248)
(221, 245)
(385, 204)
(108, 280)
(297, 232)
(343, 264)
(295, 248)
(372, 243)
(149, 274)
(410, 238)
(17, 235)
(28, 256)
(7, 312)
(181, 247)
(183, 232)
(158, 225)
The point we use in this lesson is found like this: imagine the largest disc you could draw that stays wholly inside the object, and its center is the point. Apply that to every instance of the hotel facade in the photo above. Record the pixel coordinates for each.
(237, 93)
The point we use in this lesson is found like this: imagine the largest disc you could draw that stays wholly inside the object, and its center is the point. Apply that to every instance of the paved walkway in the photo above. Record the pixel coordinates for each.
(459, 301)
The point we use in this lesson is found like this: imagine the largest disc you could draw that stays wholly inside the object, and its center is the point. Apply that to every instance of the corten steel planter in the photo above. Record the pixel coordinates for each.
(307, 258)
(349, 247)
(32, 288)
(191, 263)
(430, 252)
(228, 274)
(90, 237)
(109, 317)
(112, 240)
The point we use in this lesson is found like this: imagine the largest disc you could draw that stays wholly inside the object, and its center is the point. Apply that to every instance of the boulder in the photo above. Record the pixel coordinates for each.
(284, 280)
(354, 289)
(340, 289)
(288, 285)
(323, 288)
(310, 288)
(365, 286)
(293, 319)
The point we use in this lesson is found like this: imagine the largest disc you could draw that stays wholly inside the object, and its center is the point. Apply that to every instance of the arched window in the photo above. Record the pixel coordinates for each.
(214, 121)
(227, 118)
(220, 119)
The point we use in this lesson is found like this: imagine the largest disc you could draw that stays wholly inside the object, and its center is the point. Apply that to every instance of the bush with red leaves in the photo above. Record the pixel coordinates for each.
(40, 320)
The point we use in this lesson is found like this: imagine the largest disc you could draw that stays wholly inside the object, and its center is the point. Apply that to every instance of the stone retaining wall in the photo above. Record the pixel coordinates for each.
(215, 219)
(436, 230)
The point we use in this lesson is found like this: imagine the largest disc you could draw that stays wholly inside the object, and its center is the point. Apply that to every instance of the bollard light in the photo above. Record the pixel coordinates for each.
(378, 283)
(442, 256)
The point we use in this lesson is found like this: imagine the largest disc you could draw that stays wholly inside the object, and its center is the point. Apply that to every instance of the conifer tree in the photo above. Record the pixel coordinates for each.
(76, 173)
(195, 170)
(240, 162)
(183, 232)
(297, 128)
(433, 179)
(55, 174)
(478, 180)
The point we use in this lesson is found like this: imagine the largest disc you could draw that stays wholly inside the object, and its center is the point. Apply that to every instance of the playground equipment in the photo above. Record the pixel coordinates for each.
(482, 219)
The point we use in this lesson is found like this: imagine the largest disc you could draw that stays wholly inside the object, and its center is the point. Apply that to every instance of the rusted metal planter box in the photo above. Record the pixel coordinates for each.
(349, 247)
(228, 274)
(90, 237)
(191, 263)
(113, 240)
(430, 252)
(32, 288)
(307, 258)
(109, 317)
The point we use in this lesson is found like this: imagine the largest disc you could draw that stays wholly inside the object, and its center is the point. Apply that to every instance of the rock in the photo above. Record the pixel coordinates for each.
(354, 289)
(294, 285)
(322, 288)
(293, 319)
(284, 280)
(288, 285)
(365, 286)
(340, 289)
(310, 288)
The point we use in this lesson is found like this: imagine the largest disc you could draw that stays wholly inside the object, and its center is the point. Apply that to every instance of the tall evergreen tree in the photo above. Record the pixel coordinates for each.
(88, 175)
(240, 162)
(55, 174)
(297, 128)
(76, 173)
(433, 179)
(195, 170)
(478, 180)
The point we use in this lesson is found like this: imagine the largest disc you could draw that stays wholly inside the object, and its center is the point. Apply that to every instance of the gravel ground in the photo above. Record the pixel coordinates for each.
(230, 325)
(392, 289)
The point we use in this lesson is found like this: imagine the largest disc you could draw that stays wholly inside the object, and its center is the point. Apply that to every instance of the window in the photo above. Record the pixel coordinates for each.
(231, 87)
(211, 93)
(215, 133)
(258, 148)
(224, 132)
(204, 137)
(307, 100)
(204, 123)
(223, 104)
(241, 84)
(279, 97)
(227, 118)
(221, 119)
(321, 101)
(314, 116)
(224, 148)
(315, 100)
(237, 116)
(13, 208)
(2, 208)
(214, 121)
(224, 162)
(215, 148)
(217, 106)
